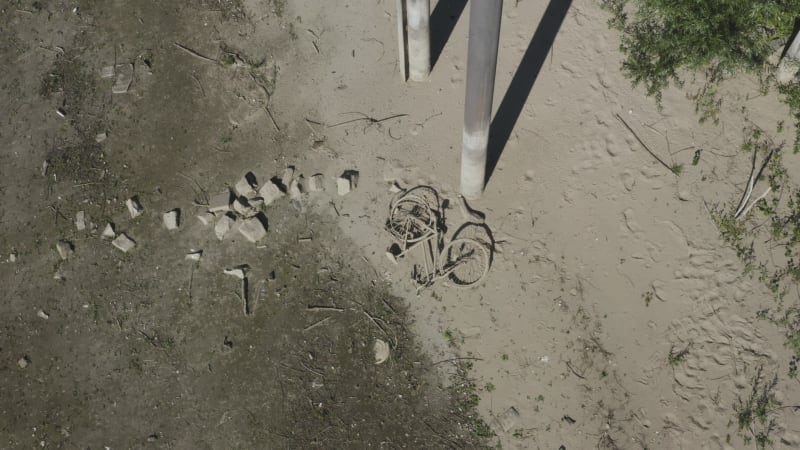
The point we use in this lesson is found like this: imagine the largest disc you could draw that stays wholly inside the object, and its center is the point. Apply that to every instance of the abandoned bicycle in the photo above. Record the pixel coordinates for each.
(414, 222)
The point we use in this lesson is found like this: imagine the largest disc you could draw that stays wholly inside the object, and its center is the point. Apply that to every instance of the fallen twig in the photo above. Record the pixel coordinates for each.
(272, 119)
(194, 53)
(369, 119)
(470, 358)
(324, 308)
(316, 324)
(645, 145)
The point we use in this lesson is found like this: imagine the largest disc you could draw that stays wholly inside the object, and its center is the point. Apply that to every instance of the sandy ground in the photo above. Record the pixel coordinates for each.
(586, 222)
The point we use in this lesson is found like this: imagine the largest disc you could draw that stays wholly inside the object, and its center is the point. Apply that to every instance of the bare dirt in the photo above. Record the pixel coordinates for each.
(146, 349)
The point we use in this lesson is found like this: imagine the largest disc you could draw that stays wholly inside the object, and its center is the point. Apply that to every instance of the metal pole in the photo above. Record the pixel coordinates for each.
(484, 38)
(418, 16)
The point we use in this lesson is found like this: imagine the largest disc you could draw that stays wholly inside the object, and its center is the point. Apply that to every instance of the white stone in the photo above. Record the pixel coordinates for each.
(108, 232)
(124, 78)
(246, 186)
(238, 271)
(296, 188)
(23, 362)
(270, 192)
(381, 349)
(316, 183)
(107, 72)
(43, 314)
(253, 229)
(206, 218)
(224, 225)
(343, 186)
(124, 243)
(64, 249)
(80, 220)
(134, 207)
(194, 255)
(12, 257)
(172, 219)
(256, 203)
(288, 174)
(101, 137)
(242, 207)
(220, 202)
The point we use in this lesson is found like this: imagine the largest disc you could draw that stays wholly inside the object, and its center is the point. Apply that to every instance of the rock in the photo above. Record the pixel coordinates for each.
(296, 188)
(172, 219)
(134, 207)
(316, 183)
(101, 137)
(508, 419)
(238, 271)
(352, 175)
(206, 218)
(12, 257)
(343, 186)
(270, 192)
(253, 229)
(23, 362)
(80, 220)
(246, 186)
(124, 78)
(256, 203)
(107, 72)
(381, 349)
(108, 232)
(242, 207)
(220, 202)
(194, 255)
(124, 243)
(43, 314)
(288, 174)
(64, 249)
(224, 225)
(684, 195)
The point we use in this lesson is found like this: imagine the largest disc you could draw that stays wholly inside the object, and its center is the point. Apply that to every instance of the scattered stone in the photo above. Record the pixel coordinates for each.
(316, 183)
(270, 192)
(352, 175)
(246, 186)
(381, 349)
(256, 203)
(107, 72)
(172, 219)
(224, 225)
(253, 229)
(242, 207)
(12, 257)
(288, 175)
(124, 78)
(58, 276)
(43, 314)
(343, 185)
(296, 188)
(64, 249)
(101, 137)
(61, 113)
(304, 239)
(194, 255)
(134, 207)
(238, 271)
(80, 220)
(108, 232)
(23, 362)
(508, 419)
(206, 218)
(45, 165)
(220, 202)
(124, 243)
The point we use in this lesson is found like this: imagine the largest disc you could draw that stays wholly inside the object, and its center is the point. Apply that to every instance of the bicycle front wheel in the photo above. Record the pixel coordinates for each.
(464, 261)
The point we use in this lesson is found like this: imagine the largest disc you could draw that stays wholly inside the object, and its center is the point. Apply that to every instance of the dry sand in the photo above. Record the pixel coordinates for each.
(587, 221)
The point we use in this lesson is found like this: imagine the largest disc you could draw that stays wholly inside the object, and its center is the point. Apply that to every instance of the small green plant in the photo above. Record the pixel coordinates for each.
(228, 59)
(677, 169)
(489, 387)
(464, 391)
(677, 358)
(504, 357)
(754, 413)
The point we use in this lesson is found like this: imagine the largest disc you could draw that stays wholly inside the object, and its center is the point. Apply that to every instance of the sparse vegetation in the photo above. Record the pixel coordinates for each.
(754, 413)
(676, 358)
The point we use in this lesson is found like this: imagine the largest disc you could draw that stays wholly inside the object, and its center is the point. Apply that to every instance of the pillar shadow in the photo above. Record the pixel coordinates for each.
(521, 85)
(443, 20)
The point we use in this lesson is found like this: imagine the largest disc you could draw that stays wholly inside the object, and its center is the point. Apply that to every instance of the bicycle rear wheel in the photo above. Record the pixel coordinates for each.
(464, 261)
(411, 220)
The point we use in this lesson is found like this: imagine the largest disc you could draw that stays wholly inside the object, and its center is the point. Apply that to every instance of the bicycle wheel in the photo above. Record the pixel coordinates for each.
(411, 220)
(464, 261)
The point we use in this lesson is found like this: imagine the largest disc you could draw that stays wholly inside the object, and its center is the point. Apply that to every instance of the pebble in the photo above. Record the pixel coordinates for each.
(224, 225)
(316, 183)
(108, 232)
(64, 249)
(270, 192)
(246, 186)
(220, 202)
(23, 362)
(205, 218)
(296, 188)
(134, 207)
(253, 229)
(43, 314)
(124, 243)
(80, 220)
(172, 219)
